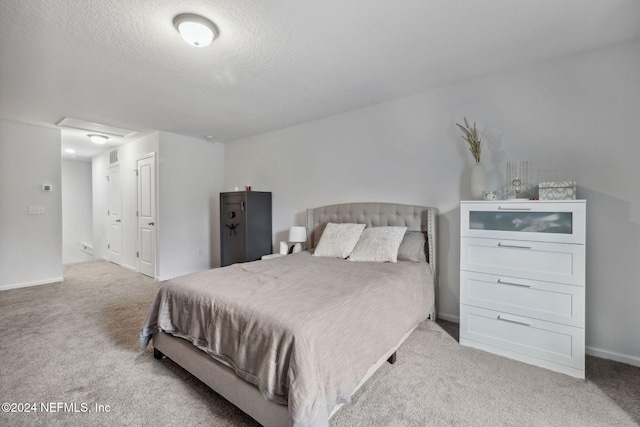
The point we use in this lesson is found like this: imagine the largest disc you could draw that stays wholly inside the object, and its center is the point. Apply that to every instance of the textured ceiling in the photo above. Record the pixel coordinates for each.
(275, 63)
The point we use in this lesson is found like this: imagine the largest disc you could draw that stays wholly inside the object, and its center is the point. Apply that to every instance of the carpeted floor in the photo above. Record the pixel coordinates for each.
(69, 351)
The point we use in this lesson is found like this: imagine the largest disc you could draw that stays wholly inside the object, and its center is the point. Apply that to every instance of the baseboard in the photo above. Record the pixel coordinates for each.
(612, 355)
(28, 284)
(128, 267)
(174, 275)
(449, 317)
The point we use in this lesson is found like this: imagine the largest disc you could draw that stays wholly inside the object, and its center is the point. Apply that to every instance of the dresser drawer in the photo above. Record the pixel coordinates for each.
(551, 262)
(534, 341)
(549, 301)
(561, 222)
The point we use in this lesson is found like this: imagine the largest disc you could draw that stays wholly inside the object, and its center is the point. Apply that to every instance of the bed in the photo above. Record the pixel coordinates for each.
(296, 336)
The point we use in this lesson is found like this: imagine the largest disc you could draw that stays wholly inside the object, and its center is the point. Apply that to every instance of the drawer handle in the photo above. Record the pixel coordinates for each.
(508, 208)
(522, 285)
(504, 245)
(518, 322)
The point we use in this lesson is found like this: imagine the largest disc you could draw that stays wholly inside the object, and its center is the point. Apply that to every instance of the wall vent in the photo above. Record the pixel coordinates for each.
(113, 157)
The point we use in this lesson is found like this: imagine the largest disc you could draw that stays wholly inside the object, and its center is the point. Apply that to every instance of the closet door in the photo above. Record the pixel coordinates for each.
(146, 170)
(114, 213)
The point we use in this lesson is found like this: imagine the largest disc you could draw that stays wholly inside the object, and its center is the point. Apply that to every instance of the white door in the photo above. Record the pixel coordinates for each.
(146, 168)
(114, 212)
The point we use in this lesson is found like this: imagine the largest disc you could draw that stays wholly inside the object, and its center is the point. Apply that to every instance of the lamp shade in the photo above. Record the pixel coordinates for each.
(298, 234)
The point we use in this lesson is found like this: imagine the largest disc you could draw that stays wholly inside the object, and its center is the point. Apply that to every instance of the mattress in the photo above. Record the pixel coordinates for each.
(303, 329)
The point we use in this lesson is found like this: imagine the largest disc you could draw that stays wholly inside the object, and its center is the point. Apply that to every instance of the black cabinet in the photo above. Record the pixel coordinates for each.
(245, 226)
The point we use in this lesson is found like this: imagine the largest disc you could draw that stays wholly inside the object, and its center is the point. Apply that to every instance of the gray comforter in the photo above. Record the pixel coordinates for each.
(304, 329)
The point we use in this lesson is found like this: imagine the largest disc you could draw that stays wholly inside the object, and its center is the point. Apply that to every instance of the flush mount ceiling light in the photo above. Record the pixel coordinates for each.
(195, 29)
(98, 139)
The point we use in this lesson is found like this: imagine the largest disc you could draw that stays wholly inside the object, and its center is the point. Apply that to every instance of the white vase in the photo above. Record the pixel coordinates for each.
(478, 180)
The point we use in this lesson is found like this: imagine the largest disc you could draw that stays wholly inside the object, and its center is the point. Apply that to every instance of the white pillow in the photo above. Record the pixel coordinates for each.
(378, 244)
(338, 240)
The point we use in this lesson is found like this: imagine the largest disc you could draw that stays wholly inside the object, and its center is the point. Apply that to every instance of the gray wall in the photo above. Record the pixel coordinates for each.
(575, 117)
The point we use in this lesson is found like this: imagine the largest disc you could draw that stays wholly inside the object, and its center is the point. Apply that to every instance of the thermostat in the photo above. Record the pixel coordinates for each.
(46, 187)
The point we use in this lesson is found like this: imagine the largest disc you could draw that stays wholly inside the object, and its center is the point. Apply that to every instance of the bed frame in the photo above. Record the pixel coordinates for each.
(246, 396)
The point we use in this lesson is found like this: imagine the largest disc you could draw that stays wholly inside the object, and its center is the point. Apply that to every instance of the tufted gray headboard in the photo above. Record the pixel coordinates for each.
(415, 218)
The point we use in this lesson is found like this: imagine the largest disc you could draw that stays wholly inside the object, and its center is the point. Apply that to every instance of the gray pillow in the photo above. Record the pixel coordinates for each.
(412, 247)
(378, 244)
(338, 240)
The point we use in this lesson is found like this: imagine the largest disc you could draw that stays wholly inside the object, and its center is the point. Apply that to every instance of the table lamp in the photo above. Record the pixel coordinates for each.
(297, 235)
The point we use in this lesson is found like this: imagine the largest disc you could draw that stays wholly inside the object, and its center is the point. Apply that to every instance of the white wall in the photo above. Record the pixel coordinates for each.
(30, 245)
(576, 116)
(128, 154)
(191, 173)
(77, 210)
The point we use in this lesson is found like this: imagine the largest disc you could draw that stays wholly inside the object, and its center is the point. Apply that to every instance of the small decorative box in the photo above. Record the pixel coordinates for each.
(565, 190)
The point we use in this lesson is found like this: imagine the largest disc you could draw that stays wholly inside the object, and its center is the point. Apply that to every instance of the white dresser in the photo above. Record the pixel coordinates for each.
(522, 281)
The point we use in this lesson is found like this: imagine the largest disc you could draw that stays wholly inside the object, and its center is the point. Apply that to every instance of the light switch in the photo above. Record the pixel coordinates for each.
(36, 210)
